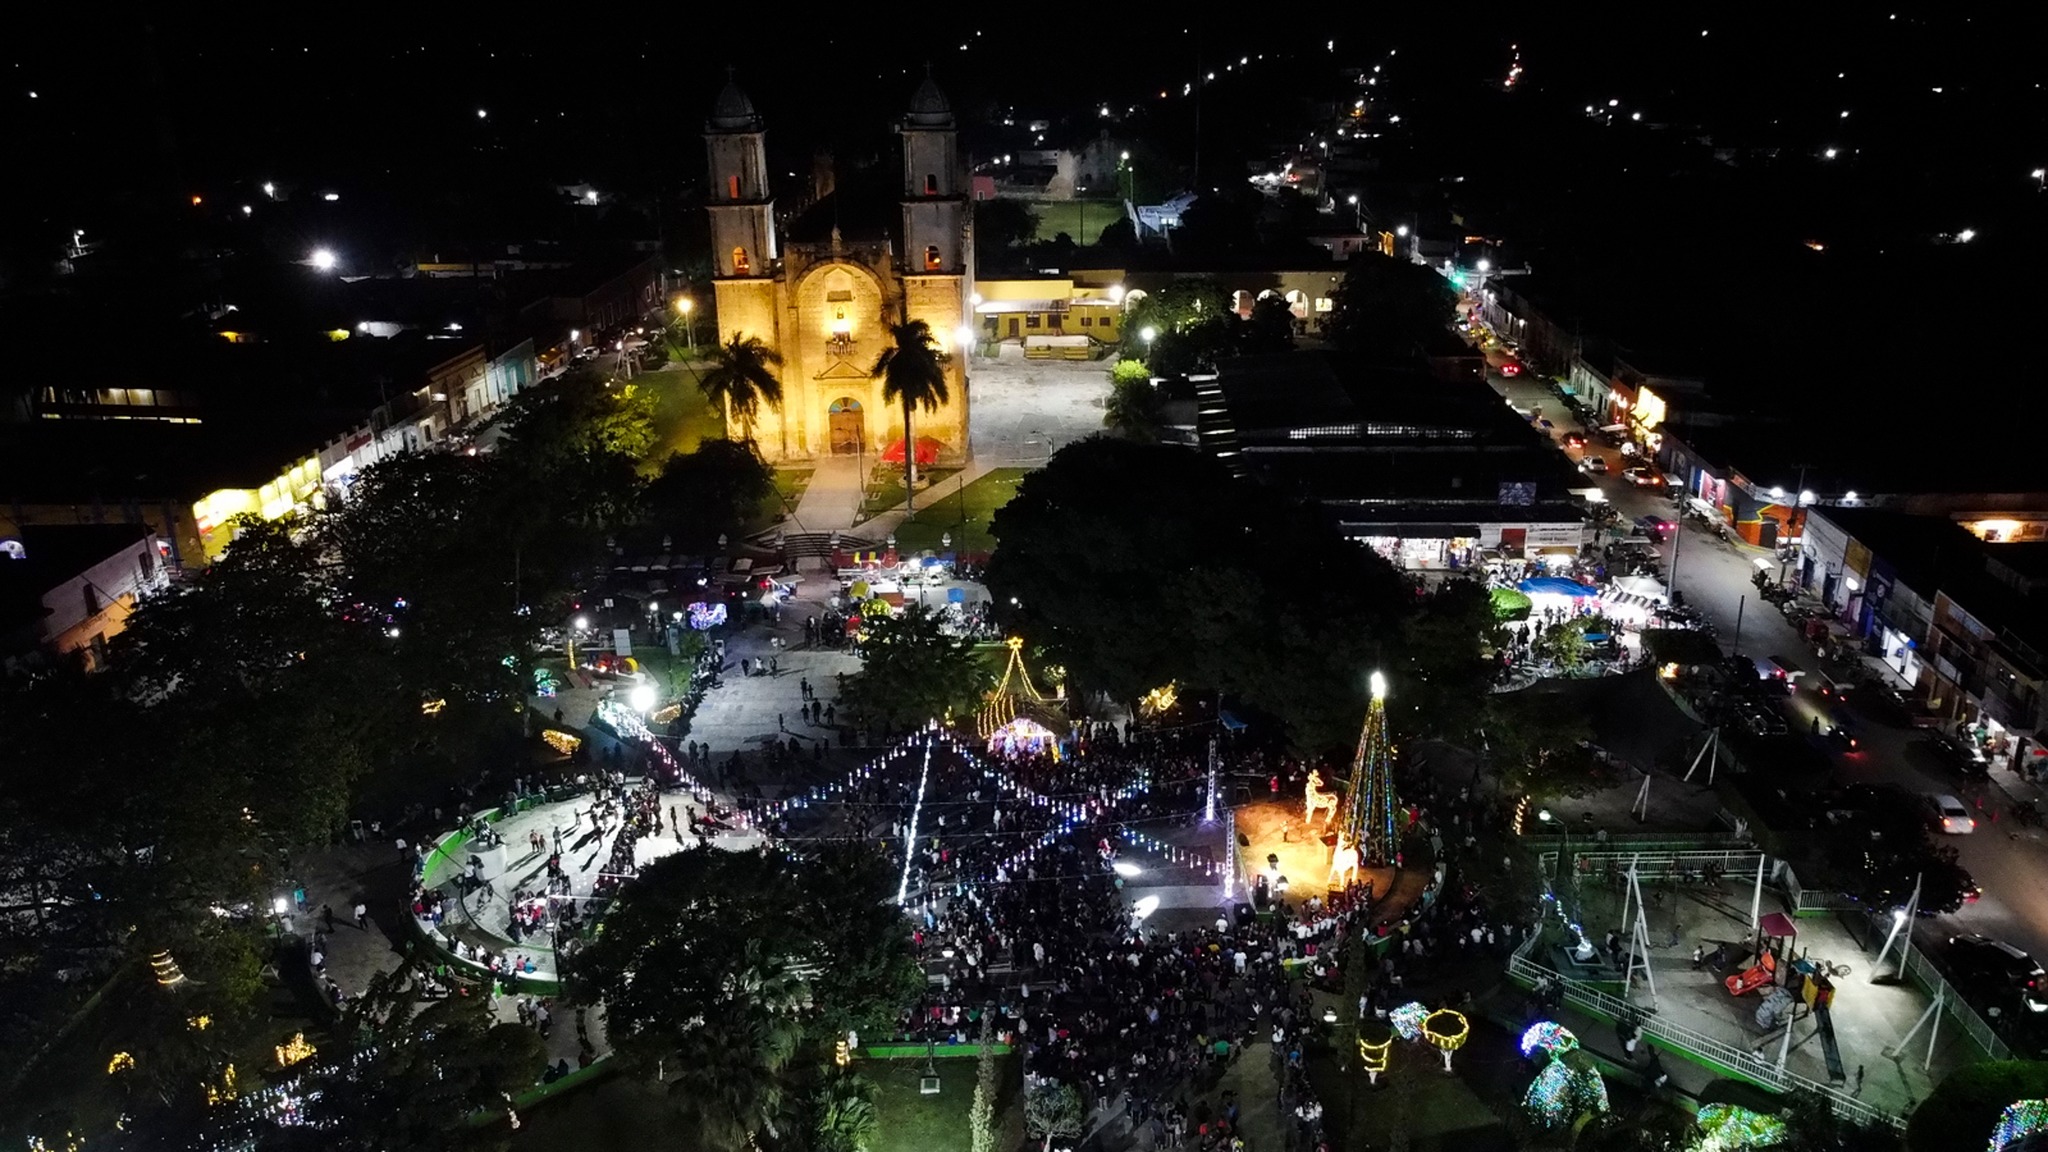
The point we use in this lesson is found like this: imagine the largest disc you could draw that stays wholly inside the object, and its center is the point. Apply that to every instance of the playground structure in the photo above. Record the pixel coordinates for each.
(1765, 984)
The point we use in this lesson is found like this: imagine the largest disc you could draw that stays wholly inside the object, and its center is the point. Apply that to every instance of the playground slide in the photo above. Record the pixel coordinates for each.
(1752, 979)
(1830, 1051)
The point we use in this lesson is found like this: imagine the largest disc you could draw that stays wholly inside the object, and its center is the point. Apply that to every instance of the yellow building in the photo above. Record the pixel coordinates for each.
(1016, 310)
(824, 305)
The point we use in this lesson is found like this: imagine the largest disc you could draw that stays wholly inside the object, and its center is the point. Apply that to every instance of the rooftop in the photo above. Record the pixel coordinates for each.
(1880, 458)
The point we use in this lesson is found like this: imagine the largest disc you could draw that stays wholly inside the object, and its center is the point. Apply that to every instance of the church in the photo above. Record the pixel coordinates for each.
(824, 300)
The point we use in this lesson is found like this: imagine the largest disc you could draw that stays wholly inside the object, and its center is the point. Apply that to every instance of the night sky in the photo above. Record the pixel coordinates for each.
(1946, 119)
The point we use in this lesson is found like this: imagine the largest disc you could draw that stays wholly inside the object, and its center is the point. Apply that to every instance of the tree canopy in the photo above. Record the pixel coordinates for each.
(1135, 408)
(912, 672)
(1959, 1115)
(1388, 310)
(1134, 565)
(712, 492)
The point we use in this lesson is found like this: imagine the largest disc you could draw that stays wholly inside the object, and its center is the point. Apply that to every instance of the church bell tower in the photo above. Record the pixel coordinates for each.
(938, 249)
(742, 211)
(934, 202)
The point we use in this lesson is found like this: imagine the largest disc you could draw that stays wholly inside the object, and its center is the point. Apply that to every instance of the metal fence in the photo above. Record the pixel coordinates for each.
(1738, 1061)
(1922, 972)
(1734, 862)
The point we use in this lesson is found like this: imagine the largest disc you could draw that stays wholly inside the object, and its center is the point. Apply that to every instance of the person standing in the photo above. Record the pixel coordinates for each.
(362, 916)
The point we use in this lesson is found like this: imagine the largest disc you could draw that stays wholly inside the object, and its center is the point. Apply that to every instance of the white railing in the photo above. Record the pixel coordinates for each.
(1931, 981)
(1734, 863)
(1738, 1061)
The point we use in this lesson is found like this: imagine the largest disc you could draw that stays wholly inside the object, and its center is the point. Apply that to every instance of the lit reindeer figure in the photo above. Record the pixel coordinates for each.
(1343, 864)
(1318, 796)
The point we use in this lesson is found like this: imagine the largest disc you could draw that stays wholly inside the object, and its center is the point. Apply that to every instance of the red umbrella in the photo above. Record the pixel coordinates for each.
(927, 451)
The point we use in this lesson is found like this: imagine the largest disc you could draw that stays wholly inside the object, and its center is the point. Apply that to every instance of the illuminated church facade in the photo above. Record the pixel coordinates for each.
(823, 301)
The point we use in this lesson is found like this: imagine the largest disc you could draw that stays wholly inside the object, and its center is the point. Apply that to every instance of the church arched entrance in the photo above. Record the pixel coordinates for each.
(847, 428)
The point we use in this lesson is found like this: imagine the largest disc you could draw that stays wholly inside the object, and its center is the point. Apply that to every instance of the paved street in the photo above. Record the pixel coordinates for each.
(2005, 860)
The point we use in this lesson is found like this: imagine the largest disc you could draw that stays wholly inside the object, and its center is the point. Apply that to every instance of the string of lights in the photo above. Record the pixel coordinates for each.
(924, 777)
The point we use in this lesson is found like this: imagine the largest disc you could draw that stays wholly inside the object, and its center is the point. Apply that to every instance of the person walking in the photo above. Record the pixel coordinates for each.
(327, 916)
(362, 916)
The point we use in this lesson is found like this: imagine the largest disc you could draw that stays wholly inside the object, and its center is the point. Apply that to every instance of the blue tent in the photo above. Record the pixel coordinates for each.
(1557, 586)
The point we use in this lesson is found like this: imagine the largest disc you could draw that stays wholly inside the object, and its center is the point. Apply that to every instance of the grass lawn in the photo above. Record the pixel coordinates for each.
(964, 513)
(910, 1122)
(1084, 220)
(885, 486)
(621, 1113)
(790, 482)
(682, 418)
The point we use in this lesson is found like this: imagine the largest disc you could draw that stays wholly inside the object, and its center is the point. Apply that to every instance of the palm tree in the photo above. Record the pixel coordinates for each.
(731, 1084)
(912, 371)
(741, 378)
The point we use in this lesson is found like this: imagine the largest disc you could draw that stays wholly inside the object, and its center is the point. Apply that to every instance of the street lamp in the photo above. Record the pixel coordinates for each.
(1148, 334)
(684, 307)
(642, 697)
(322, 259)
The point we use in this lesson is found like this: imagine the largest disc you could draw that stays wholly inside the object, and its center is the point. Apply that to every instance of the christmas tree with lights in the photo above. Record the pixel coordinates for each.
(1369, 809)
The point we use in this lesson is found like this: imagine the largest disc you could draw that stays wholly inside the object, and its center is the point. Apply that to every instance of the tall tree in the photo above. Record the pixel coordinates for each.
(713, 491)
(913, 374)
(1135, 409)
(741, 379)
(912, 671)
(1388, 310)
(1135, 565)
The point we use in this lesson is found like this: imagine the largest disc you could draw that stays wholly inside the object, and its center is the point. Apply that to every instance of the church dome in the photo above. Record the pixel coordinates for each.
(929, 107)
(734, 112)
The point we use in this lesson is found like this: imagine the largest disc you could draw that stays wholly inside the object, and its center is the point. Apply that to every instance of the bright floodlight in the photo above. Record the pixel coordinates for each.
(582, 623)
(1379, 686)
(323, 259)
(1806, 496)
(1483, 264)
(963, 337)
(684, 305)
(641, 697)
(280, 906)
(1544, 815)
(1126, 868)
(1967, 235)
(1400, 230)
(1148, 333)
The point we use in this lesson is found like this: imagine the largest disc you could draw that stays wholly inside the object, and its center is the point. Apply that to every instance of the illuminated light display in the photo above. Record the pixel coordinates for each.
(704, 617)
(121, 1062)
(294, 1051)
(1407, 1020)
(1545, 1036)
(166, 968)
(1369, 809)
(564, 742)
(1732, 1128)
(1565, 1090)
(2020, 1119)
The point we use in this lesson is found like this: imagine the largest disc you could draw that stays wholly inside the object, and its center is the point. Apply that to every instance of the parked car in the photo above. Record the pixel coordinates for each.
(1949, 815)
(1643, 476)
(1961, 757)
(1510, 368)
(1574, 440)
(1597, 465)
(1656, 528)
(1979, 962)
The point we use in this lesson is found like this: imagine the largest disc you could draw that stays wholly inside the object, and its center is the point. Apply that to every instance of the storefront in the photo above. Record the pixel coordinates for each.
(1901, 653)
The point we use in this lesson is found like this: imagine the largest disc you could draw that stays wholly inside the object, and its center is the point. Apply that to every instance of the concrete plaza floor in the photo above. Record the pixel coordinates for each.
(1871, 1021)
(482, 916)
(1022, 411)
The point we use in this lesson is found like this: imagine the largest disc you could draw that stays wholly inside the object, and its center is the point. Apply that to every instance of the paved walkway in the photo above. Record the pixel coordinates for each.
(832, 499)
(888, 520)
